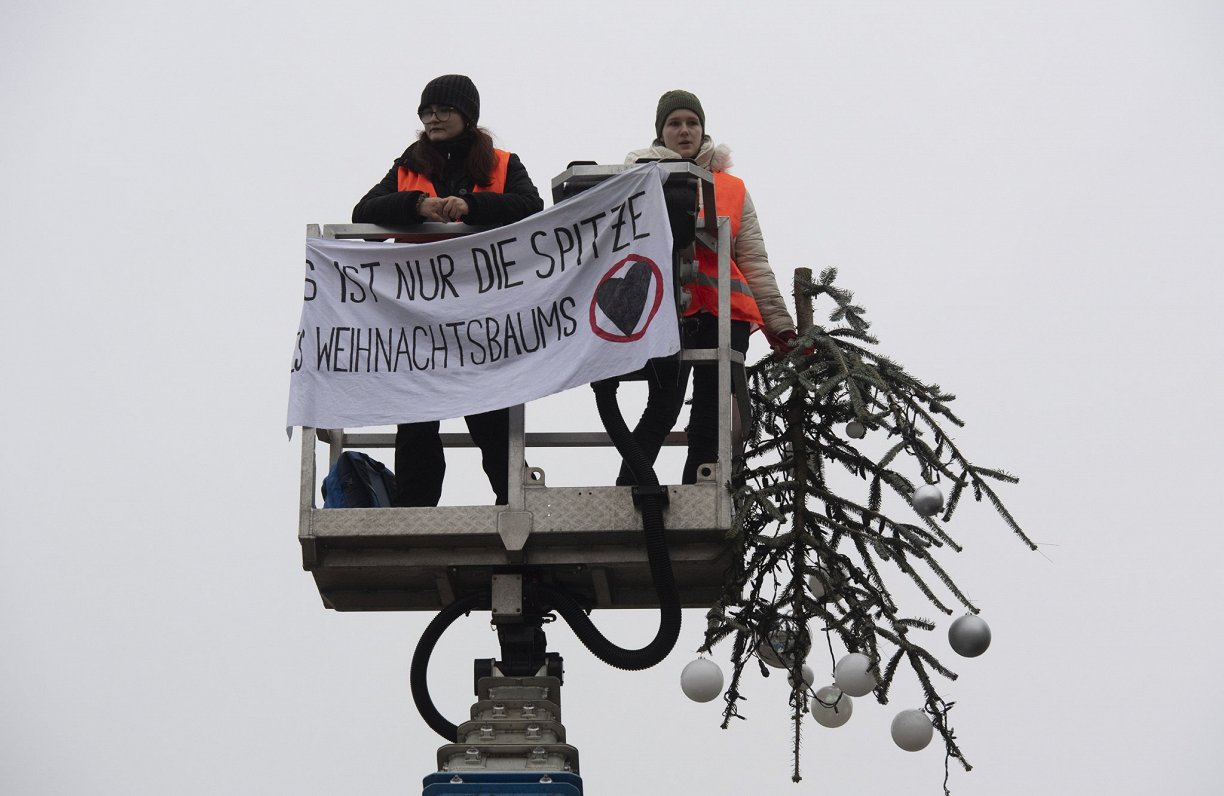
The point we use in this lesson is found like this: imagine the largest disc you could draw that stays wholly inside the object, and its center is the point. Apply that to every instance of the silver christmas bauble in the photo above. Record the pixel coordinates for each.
(928, 500)
(779, 648)
(701, 680)
(852, 676)
(831, 707)
(912, 730)
(855, 430)
(969, 635)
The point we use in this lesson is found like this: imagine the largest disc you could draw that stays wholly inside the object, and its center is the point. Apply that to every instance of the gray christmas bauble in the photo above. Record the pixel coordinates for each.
(701, 680)
(969, 635)
(832, 708)
(852, 676)
(855, 430)
(928, 500)
(912, 730)
(809, 677)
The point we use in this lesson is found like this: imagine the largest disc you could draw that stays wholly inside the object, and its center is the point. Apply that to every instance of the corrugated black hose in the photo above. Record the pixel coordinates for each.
(650, 498)
(420, 661)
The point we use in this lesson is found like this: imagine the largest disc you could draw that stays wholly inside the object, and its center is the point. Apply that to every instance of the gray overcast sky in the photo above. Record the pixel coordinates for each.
(1025, 196)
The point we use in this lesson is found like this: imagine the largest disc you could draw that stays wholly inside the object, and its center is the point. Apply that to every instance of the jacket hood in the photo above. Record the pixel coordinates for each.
(710, 156)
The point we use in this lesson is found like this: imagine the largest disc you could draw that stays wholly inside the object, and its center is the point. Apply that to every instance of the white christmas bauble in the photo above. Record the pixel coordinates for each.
(855, 430)
(816, 584)
(701, 680)
(831, 707)
(969, 635)
(912, 730)
(809, 677)
(778, 650)
(852, 676)
(928, 500)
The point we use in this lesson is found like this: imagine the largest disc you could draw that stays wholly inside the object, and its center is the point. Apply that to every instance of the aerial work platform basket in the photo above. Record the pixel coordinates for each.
(585, 539)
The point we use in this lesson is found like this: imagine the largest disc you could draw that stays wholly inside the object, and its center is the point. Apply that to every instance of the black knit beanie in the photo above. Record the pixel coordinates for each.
(674, 100)
(457, 91)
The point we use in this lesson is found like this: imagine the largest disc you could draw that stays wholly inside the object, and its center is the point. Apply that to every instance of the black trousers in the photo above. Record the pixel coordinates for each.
(420, 463)
(667, 384)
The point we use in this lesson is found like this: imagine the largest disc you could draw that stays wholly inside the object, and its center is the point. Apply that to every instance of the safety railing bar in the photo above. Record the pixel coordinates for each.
(724, 365)
(306, 494)
(424, 232)
(518, 456)
(532, 439)
(712, 230)
(597, 173)
(709, 355)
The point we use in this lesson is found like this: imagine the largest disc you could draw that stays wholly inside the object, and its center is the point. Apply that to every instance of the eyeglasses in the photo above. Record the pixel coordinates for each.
(440, 112)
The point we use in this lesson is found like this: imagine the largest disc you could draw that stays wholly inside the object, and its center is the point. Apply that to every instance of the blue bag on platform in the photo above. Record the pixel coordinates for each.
(358, 482)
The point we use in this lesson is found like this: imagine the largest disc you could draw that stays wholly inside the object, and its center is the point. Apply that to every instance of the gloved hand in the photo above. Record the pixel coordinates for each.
(784, 342)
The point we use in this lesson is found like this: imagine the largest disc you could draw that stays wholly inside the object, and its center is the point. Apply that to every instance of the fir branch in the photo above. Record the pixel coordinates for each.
(833, 376)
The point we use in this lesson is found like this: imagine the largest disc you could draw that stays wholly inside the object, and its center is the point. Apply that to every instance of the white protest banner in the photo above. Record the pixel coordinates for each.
(400, 333)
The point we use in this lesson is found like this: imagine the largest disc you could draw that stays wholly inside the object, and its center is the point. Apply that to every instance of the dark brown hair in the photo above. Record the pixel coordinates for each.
(430, 159)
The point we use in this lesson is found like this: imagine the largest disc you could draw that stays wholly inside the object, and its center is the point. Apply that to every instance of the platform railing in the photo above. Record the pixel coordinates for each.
(587, 538)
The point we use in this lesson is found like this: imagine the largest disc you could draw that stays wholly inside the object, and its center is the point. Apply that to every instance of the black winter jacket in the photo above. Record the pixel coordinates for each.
(385, 204)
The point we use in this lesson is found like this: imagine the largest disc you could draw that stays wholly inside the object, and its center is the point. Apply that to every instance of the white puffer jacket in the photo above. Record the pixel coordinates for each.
(748, 247)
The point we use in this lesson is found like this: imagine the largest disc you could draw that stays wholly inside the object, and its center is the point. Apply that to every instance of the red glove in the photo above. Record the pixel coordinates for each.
(783, 342)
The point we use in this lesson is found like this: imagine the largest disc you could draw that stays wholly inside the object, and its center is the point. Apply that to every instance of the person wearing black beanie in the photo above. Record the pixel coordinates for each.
(456, 91)
(756, 301)
(452, 172)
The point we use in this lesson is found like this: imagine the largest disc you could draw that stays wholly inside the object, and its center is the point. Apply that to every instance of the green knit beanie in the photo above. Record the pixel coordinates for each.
(674, 100)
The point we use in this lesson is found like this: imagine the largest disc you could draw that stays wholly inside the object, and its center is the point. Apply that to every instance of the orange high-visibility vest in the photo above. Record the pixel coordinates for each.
(411, 181)
(729, 193)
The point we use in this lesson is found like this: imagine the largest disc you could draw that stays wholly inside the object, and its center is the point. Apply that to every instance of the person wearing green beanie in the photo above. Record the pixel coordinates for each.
(675, 100)
(756, 301)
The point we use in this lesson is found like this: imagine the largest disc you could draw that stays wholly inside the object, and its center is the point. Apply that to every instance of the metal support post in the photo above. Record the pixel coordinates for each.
(724, 364)
(514, 742)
